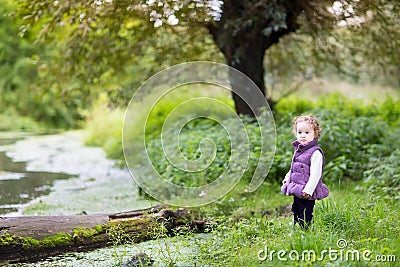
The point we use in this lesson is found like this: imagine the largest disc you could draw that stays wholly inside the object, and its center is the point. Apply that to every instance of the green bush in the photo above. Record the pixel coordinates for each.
(383, 178)
(389, 111)
(349, 129)
(104, 129)
(189, 139)
(164, 107)
(12, 121)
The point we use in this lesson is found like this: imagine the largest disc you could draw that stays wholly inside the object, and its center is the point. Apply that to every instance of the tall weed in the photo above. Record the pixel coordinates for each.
(104, 128)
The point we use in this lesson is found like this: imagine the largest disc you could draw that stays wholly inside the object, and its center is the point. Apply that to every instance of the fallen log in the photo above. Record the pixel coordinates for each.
(32, 238)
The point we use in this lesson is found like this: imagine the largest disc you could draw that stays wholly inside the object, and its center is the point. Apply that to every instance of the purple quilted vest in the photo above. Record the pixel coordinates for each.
(300, 171)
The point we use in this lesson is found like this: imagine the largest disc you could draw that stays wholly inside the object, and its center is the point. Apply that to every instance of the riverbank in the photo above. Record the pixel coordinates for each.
(248, 229)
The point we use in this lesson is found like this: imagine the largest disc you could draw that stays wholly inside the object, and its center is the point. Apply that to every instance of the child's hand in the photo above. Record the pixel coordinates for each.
(306, 196)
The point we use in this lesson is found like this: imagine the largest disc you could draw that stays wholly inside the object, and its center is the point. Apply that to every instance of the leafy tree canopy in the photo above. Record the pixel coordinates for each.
(104, 36)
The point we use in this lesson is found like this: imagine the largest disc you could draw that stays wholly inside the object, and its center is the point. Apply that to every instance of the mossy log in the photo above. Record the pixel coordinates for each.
(32, 238)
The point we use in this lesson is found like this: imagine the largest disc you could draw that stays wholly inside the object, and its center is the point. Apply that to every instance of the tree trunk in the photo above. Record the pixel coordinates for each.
(243, 34)
(32, 238)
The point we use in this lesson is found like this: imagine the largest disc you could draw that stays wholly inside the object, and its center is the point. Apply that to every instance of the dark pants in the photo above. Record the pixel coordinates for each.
(303, 211)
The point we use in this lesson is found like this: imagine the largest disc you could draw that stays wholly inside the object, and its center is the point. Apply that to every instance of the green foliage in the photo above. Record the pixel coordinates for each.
(116, 45)
(355, 139)
(104, 125)
(383, 179)
(349, 129)
(390, 111)
(12, 49)
(189, 139)
(336, 218)
(12, 121)
(191, 136)
(27, 81)
(165, 106)
(103, 51)
(104, 128)
(346, 138)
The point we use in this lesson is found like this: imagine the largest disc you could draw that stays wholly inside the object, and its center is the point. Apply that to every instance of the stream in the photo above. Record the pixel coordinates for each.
(17, 185)
(59, 175)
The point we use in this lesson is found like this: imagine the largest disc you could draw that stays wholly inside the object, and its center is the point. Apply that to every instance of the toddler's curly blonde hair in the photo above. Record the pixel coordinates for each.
(311, 120)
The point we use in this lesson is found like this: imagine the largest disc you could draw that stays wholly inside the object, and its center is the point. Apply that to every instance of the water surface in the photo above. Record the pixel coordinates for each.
(19, 186)
(59, 175)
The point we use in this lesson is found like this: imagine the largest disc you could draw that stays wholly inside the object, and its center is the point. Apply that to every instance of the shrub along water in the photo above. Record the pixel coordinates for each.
(11, 121)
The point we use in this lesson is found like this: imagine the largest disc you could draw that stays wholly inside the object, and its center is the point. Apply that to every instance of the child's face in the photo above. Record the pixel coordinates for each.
(304, 132)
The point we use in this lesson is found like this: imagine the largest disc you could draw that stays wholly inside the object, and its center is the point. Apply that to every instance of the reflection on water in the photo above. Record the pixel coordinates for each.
(8, 141)
(18, 186)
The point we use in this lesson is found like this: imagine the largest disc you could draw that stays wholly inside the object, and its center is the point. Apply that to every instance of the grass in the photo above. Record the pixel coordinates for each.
(365, 92)
(364, 223)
